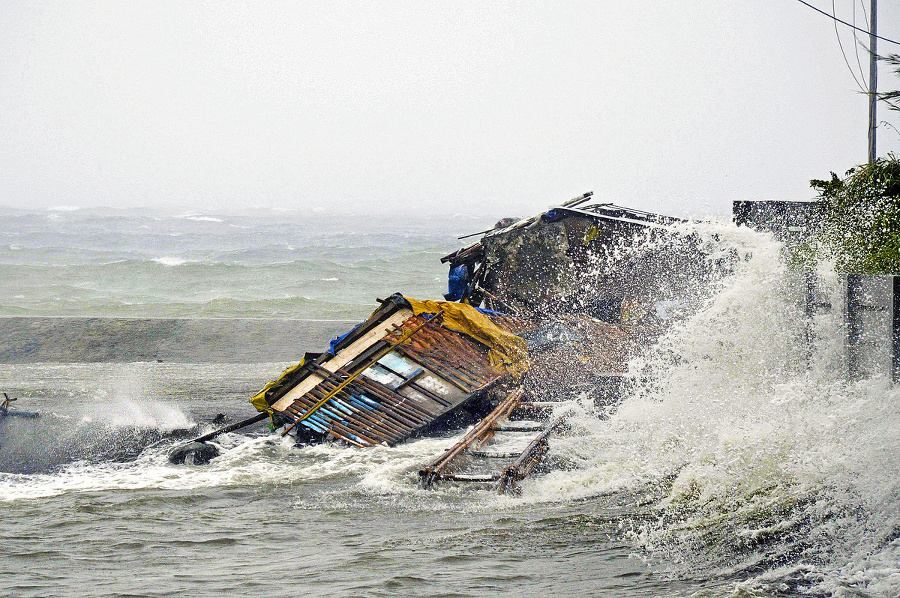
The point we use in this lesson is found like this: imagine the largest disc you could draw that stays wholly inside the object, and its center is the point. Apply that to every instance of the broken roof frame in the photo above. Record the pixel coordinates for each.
(472, 268)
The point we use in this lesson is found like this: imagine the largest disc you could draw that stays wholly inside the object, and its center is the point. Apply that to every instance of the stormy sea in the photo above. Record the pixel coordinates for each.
(740, 463)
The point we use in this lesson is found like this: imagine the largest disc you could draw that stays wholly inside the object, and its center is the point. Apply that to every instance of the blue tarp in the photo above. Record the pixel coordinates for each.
(457, 283)
(332, 346)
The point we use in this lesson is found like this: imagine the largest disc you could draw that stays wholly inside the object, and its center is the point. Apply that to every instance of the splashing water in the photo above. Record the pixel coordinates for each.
(766, 458)
(760, 461)
(113, 421)
(124, 401)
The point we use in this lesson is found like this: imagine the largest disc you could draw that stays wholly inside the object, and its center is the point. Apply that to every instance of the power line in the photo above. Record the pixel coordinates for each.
(865, 16)
(844, 54)
(890, 41)
(857, 43)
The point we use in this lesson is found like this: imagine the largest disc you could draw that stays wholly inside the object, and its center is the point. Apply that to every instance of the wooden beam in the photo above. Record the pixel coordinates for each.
(343, 358)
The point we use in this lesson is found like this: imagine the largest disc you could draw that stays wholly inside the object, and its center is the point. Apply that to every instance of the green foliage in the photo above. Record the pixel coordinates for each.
(892, 98)
(861, 217)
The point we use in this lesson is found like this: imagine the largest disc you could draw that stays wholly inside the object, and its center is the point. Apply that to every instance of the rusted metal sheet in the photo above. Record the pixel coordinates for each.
(390, 378)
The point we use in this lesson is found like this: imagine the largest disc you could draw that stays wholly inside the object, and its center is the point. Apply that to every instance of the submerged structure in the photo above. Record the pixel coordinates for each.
(499, 451)
(568, 297)
(6, 409)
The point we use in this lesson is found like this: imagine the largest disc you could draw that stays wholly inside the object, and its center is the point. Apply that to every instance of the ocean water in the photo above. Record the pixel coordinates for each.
(282, 264)
(740, 464)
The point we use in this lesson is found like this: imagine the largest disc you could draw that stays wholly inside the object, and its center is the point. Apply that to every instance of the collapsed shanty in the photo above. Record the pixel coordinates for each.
(565, 308)
(409, 367)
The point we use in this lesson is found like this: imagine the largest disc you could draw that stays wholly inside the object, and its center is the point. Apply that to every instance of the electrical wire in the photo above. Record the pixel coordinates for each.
(890, 41)
(857, 43)
(837, 34)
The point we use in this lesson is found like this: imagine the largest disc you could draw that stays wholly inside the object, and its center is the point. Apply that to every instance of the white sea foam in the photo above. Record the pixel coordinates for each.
(198, 217)
(243, 461)
(753, 444)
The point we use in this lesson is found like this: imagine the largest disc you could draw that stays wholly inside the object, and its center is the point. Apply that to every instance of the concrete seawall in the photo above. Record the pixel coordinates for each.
(72, 340)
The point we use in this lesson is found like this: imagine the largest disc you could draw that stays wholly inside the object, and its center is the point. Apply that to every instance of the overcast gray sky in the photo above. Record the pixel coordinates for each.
(506, 107)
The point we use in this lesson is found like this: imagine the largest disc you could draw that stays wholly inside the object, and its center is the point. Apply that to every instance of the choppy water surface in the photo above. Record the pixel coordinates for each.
(265, 517)
(141, 263)
(740, 465)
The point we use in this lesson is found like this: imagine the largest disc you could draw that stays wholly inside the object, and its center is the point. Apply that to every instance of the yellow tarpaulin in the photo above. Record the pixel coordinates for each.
(506, 351)
(259, 399)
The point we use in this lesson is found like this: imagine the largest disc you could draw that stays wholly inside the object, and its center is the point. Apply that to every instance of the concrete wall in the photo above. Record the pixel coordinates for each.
(872, 312)
(35, 339)
(870, 304)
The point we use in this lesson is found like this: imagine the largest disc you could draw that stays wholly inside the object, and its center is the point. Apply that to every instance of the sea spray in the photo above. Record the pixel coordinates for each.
(741, 464)
(124, 399)
(767, 460)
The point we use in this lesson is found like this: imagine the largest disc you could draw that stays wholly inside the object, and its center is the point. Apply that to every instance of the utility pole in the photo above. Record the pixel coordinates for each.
(854, 285)
(894, 280)
(873, 78)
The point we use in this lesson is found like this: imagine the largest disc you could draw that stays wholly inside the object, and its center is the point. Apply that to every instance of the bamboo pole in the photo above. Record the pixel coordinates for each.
(432, 472)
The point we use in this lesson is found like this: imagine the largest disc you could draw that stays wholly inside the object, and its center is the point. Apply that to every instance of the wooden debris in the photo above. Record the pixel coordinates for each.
(464, 461)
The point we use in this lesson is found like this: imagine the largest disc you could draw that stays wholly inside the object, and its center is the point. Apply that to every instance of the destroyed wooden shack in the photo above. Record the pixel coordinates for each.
(561, 318)
(599, 283)
(410, 367)
(601, 260)
(557, 324)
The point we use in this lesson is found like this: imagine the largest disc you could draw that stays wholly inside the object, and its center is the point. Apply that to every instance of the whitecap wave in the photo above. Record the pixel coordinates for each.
(170, 261)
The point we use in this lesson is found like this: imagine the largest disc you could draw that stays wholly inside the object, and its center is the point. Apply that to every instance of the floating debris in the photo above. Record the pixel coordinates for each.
(7, 411)
(497, 452)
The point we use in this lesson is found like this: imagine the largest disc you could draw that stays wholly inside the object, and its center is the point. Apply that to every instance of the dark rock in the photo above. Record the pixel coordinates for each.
(193, 453)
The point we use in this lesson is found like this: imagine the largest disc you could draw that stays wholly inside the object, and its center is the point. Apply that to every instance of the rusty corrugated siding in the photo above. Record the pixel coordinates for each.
(454, 356)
